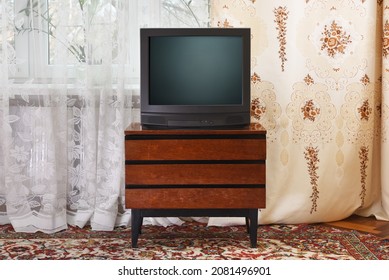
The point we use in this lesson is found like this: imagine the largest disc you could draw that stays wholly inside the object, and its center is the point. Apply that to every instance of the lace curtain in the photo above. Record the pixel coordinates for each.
(69, 86)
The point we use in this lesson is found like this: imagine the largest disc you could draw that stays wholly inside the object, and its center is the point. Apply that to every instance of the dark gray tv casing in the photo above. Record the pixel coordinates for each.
(194, 116)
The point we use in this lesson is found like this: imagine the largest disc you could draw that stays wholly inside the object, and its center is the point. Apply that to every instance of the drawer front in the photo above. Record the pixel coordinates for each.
(195, 198)
(195, 174)
(196, 149)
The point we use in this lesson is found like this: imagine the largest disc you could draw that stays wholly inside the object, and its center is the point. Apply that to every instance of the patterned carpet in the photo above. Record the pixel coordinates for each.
(194, 240)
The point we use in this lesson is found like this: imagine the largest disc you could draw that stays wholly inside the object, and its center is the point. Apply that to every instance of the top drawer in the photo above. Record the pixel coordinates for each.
(195, 149)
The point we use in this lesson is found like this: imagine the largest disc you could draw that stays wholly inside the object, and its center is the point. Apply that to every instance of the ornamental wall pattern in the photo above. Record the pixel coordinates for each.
(319, 84)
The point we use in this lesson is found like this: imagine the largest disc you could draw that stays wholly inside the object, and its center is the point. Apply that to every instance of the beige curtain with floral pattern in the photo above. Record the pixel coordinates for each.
(319, 85)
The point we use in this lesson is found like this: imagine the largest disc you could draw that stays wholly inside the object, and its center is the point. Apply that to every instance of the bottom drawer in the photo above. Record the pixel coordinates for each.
(195, 198)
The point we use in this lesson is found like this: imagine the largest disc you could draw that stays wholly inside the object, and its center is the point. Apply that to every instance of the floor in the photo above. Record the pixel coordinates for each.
(369, 224)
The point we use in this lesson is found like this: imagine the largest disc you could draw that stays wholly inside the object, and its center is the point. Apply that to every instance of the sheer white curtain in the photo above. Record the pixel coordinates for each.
(69, 84)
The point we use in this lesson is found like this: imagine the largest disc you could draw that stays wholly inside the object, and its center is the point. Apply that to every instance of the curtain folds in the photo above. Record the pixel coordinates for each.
(320, 87)
(63, 121)
(69, 87)
(69, 84)
(384, 108)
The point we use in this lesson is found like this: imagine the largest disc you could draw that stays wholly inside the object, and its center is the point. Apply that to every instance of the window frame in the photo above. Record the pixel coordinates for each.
(21, 46)
(32, 47)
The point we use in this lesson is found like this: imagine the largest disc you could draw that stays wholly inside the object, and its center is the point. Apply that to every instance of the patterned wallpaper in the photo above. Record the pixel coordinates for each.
(316, 76)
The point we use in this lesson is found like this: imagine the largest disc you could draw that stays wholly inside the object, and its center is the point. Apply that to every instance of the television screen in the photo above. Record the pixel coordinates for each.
(195, 77)
(201, 70)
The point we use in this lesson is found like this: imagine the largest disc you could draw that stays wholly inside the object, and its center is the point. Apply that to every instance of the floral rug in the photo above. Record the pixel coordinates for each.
(194, 240)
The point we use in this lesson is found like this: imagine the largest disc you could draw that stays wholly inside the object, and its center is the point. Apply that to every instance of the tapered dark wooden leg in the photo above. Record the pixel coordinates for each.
(136, 225)
(253, 217)
(248, 224)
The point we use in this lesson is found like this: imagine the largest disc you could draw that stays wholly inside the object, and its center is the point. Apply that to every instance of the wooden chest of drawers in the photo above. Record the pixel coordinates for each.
(193, 172)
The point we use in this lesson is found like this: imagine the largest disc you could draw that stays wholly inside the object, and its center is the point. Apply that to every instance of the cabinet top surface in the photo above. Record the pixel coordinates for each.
(253, 128)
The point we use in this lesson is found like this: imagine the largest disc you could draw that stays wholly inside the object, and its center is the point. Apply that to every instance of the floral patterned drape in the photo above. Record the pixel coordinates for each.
(319, 85)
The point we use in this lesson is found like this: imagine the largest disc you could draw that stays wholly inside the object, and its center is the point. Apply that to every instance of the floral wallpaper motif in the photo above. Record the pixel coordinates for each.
(308, 80)
(311, 112)
(361, 110)
(281, 16)
(257, 109)
(385, 40)
(365, 111)
(335, 40)
(364, 159)
(330, 38)
(255, 78)
(317, 86)
(224, 24)
(385, 76)
(312, 157)
(264, 108)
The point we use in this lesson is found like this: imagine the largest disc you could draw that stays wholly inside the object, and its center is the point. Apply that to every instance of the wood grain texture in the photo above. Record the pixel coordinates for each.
(192, 174)
(371, 225)
(195, 169)
(195, 198)
(196, 149)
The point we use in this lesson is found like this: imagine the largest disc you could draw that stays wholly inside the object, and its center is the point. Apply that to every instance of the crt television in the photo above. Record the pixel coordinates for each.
(195, 77)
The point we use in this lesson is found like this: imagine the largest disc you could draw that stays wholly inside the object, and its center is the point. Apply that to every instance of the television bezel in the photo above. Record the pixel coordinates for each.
(196, 111)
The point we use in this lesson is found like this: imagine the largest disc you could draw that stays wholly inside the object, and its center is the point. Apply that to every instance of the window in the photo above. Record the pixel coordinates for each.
(13, 48)
(44, 28)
